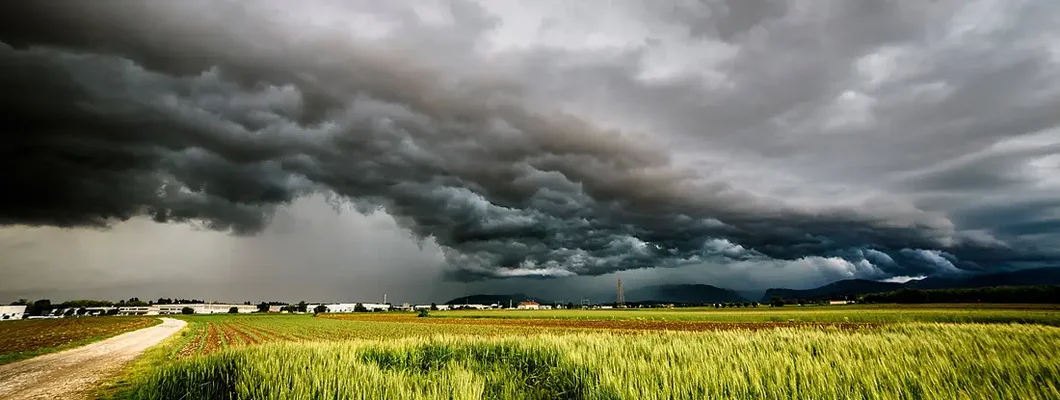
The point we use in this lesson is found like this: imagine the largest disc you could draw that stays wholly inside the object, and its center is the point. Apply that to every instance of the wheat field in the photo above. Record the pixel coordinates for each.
(900, 361)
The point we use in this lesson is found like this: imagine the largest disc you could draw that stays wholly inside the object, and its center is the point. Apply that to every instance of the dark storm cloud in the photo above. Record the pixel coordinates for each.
(217, 113)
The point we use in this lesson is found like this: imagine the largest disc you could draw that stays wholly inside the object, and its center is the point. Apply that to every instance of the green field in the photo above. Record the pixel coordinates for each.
(400, 356)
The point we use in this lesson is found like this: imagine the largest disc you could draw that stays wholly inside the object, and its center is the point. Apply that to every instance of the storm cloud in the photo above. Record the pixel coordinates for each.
(871, 139)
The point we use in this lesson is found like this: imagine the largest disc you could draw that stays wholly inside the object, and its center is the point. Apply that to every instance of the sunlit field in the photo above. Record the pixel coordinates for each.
(212, 333)
(307, 357)
(864, 352)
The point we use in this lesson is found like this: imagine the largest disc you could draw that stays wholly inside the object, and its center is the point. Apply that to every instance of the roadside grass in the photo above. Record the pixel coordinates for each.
(20, 340)
(151, 359)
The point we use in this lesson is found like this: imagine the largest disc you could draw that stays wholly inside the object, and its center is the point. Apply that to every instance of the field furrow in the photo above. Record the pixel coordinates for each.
(865, 353)
(28, 338)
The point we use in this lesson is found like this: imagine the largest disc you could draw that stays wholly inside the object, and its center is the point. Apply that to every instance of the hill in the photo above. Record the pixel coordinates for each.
(502, 299)
(839, 289)
(684, 294)
(858, 287)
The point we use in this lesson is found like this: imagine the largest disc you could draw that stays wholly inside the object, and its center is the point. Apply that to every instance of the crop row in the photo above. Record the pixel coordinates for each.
(607, 324)
(925, 361)
(1036, 314)
(209, 334)
(29, 338)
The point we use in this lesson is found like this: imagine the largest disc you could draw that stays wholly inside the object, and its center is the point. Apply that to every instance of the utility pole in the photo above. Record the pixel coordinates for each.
(384, 298)
(620, 299)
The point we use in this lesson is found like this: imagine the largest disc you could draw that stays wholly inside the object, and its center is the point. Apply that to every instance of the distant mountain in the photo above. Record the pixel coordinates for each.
(857, 287)
(750, 294)
(839, 289)
(502, 299)
(684, 294)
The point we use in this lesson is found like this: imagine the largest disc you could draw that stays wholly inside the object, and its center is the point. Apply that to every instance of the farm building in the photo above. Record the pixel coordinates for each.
(529, 305)
(840, 302)
(276, 308)
(11, 312)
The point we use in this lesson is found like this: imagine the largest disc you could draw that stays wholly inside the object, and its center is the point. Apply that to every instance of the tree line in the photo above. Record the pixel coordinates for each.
(998, 294)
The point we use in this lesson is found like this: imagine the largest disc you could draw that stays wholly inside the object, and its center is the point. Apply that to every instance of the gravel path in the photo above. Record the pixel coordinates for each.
(69, 374)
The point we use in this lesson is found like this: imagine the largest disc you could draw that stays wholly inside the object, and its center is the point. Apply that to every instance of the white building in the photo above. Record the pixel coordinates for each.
(470, 306)
(840, 302)
(200, 308)
(98, 310)
(350, 307)
(341, 307)
(275, 308)
(12, 312)
(529, 305)
(144, 310)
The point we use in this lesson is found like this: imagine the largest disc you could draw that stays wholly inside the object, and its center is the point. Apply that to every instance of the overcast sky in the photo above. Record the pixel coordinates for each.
(340, 150)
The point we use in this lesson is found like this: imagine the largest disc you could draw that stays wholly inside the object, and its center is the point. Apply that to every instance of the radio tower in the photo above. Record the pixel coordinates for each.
(620, 299)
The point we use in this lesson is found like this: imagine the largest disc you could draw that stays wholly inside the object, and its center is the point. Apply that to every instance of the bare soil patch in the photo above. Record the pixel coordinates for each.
(72, 373)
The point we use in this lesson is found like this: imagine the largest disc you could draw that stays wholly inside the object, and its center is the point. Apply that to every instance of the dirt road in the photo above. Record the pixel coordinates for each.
(69, 374)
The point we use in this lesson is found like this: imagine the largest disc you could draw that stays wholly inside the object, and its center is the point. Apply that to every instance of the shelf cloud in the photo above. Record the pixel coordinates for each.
(879, 139)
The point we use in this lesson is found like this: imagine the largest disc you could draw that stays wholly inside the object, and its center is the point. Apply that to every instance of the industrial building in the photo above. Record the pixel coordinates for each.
(8, 313)
(349, 307)
(145, 310)
(168, 309)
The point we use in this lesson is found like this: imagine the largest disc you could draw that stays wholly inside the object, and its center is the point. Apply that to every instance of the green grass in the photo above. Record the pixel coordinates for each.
(288, 327)
(918, 352)
(272, 328)
(1035, 314)
(922, 361)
